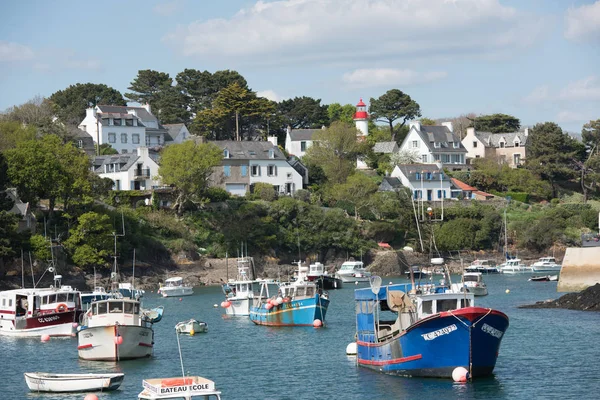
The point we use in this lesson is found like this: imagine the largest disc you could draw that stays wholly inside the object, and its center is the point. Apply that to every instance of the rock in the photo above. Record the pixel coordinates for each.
(587, 300)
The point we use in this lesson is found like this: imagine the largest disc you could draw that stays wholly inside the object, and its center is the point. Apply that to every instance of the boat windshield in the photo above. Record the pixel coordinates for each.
(470, 278)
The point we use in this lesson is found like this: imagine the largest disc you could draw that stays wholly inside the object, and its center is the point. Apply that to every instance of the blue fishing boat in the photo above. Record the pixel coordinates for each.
(298, 303)
(425, 331)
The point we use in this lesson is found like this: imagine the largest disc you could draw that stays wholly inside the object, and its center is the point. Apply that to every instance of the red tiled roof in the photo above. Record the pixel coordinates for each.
(463, 186)
(480, 193)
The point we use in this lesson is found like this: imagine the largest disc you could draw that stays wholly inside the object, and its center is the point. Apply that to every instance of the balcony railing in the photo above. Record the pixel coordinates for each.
(142, 173)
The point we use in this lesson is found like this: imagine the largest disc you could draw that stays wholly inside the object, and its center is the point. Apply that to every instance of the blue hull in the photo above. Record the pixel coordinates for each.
(434, 346)
(295, 313)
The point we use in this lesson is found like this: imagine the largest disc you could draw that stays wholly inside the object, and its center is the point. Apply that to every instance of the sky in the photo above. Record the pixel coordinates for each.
(535, 59)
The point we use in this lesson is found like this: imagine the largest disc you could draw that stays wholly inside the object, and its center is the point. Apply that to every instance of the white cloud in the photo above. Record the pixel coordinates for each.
(168, 8)
(361, 78)
(288, 31)
(583, 23)
(584, 89)
(11, 51)
(270, 94)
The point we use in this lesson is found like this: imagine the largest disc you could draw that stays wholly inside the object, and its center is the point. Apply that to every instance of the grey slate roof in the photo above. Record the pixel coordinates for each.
(385, 147)
(302, 134)
(411, 171)
(493, 139)
(441, 135)
(125, 161)
(389, 184)
(172, 130)
(250, 150)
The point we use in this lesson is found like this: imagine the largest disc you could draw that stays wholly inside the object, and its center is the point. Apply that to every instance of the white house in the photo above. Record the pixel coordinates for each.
(129, 171)
(125, 128)
(297, 141)
(427, 182)
(435, 144)
(248, 162)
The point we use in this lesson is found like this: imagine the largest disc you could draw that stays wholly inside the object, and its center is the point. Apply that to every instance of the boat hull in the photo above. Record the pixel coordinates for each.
(326, 282)
(176, 292)
(186, 327)
(61, 383)
(99, 343)
(53, 324)
(294, 313)
(238, 307)
(352, 278)
(434, 346)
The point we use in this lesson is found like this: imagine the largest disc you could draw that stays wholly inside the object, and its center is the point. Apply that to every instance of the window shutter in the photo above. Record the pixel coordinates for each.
(132, 185)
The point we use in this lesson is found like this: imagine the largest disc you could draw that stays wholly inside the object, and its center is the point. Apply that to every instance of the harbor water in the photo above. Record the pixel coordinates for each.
(545, 354)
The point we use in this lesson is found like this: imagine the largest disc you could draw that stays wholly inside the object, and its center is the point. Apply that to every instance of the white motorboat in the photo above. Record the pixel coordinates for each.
(546, 264)
(186, 388)
(353, 271)
(318, 274)
(239, 292)
(113, 330)
(47, 382)
(472, 282)
(483, 266)
(515, 266)
(99, 293)
(191, 327)
(52, 311)
(174, 287)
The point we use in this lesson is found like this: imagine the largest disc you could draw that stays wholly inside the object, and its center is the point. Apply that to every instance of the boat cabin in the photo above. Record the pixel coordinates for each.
(188, 388)
(174, 282)
(317, 269)
(295, 291)
(474, 277)
(352, 266)
(114, 311)
(238, 288)
(35, 302)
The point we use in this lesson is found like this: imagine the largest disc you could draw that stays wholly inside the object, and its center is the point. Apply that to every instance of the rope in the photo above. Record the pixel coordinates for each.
(180, 357)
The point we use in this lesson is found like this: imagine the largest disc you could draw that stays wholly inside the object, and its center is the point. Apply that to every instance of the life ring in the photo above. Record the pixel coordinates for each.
(62, 307)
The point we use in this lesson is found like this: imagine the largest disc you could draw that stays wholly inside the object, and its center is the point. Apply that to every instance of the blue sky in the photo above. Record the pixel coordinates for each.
(537, 60)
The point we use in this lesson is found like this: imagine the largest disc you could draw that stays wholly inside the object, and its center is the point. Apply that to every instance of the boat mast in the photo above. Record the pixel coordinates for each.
(505, 237)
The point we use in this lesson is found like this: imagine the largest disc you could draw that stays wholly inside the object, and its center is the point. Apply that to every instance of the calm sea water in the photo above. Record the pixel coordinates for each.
(545, 354)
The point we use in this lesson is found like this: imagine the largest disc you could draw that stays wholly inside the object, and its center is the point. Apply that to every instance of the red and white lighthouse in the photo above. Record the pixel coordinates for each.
(361, 118)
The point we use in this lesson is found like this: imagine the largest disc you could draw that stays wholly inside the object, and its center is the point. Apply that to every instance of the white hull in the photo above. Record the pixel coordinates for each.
(45, 382)
(547, 269)
(187, 327)
(239, 307)
(477, 291)
(66, 329)
(176, 291)
(525, 270)
(99, 343)
(350, 278)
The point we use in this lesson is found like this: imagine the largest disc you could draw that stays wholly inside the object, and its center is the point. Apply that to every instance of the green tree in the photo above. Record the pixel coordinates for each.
(303, 113)
(90, 242)
(334, 150)
(37, 114)
(106, 150)
(171, 106)
(148, 87)
(394, 105)
(342, 113)
(496, 123)
(427, 121)
(590, 135)
(551, 153)
(188, 166)
(358, 190)
(13, 132)
(70, 104)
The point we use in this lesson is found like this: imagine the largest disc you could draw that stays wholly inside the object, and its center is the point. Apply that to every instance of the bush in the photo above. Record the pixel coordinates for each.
(217, 194)
(302, 195)
(263, 191)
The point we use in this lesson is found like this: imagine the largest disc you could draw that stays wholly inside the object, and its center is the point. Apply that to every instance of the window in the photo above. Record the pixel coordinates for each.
(445, 158)
(128, 122)
(102, 308)
(271, 170)
(415, 144)
(135, 138)
(116, 306)
(474, 144)
(427, 307)
(437, 145)
(124, 151)
(417, 194)
(417, 176)
(226, 153)
(80, 143)
(244, 170)
(424, 158)
(517, 144)
(111, 121)
(289, 175)
(255, 170)
(227, 170)
(117, 184)
(477, 156)
(271, 153)
(302, 146)
(123, 138)
(112, 137)
(501, 145)
(456, 145)
(517, 159)
(441, 194)
(128, 308)
(106, 121)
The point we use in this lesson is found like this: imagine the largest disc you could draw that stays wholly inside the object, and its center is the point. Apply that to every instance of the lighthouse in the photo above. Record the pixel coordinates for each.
(361, 118)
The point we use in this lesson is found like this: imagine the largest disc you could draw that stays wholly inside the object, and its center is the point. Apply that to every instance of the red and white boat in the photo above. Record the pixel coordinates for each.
(52, 311)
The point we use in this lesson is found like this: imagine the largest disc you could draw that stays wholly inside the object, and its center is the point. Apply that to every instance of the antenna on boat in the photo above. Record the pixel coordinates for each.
(22, 272)
(113, 276)
(133, 276)
(375, 282)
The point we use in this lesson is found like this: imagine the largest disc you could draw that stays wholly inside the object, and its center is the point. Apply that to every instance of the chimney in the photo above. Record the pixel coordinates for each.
(90, 112)
(142, 152)
(273, 140)
(147, 107)
(471, 131)
(289, 129)
(448, 124)
(526, 131)
(415, 124)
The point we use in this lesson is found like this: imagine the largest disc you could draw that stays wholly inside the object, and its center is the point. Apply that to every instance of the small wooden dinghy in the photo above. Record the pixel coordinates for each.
(48, 382)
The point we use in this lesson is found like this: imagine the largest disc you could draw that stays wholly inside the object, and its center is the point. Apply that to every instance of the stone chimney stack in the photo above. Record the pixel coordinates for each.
(416, 124)
(273, 140)
(448, 125)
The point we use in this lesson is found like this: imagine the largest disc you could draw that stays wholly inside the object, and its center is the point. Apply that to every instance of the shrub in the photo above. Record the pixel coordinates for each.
(217, 194)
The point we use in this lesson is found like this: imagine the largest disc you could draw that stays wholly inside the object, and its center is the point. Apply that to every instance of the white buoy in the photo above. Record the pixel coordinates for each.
(351, 349)
(460, 374)
(507, 291)
(356, 283)
(215, 305)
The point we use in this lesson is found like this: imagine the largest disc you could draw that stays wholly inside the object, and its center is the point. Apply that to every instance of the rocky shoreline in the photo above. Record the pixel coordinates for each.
(586, 300)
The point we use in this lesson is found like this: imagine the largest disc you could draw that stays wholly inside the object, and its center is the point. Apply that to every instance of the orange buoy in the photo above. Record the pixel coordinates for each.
(90, 396)
(460, 374)
(317, 323)
(119, 340)
(45, 338)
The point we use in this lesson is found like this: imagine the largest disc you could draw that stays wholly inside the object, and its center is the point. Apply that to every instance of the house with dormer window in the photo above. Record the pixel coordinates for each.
(427, 182)
(506, 148)
(297, 141)
(128, 171)
(248, 162)
(435, 144)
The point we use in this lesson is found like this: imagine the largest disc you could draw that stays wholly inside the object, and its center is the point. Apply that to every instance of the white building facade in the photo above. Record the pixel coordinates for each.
(130, 171)
(427, 182)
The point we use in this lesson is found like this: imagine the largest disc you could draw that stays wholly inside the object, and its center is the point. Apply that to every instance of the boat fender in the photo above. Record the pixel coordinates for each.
(62, 307)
